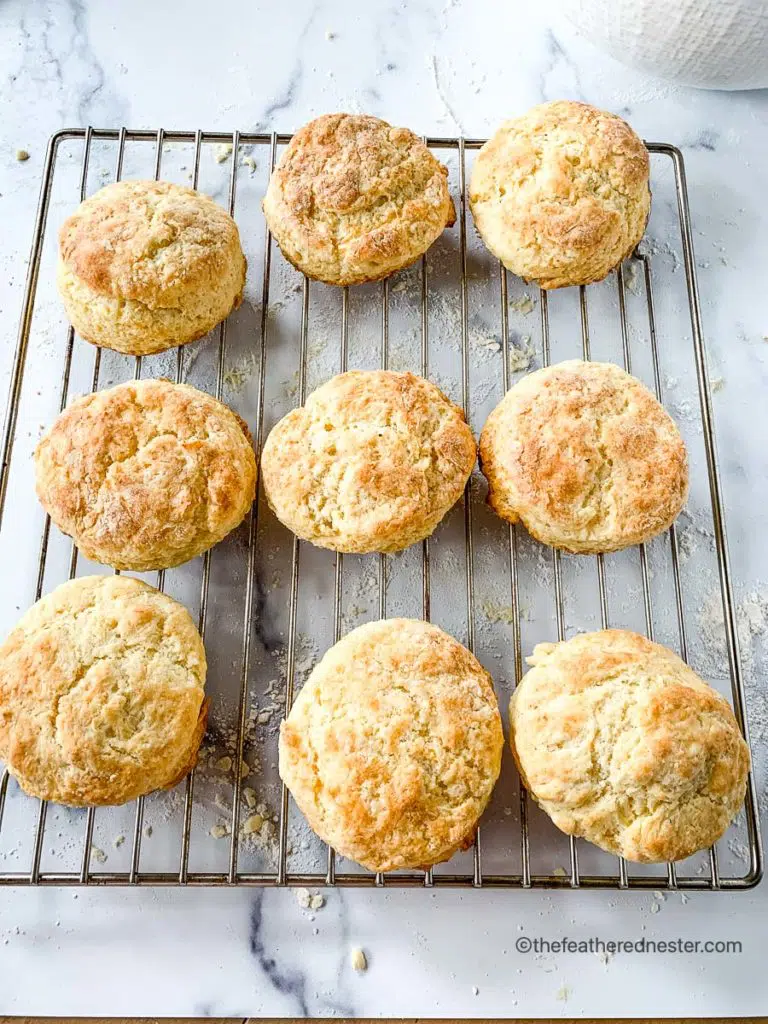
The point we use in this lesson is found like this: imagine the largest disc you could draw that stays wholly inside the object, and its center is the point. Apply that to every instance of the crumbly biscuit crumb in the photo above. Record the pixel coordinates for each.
(252, 824)
(303, 897)
(358, 960)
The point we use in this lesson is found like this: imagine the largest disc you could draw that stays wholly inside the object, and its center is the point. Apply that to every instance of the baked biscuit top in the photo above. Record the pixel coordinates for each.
(150, 241)
(101, 692)
(371, 462)
(393, 746)
(560, 195)
(585, 456)
(146, 474)
(620, 742)
(354, 199)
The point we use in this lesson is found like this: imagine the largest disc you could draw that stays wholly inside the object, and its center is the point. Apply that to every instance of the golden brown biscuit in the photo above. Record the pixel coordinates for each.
(586, 457)
(620, 742)
(146, 265)
(393, 746)
(354, 199)
(101, 693)
(372, 462)
(146, 475)
(560, 195)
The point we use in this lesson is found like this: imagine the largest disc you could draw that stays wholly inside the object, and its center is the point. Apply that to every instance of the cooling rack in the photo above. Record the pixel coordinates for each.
(268, 605)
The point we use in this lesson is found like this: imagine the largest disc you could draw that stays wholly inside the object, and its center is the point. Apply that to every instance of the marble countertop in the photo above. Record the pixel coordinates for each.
(440, 67)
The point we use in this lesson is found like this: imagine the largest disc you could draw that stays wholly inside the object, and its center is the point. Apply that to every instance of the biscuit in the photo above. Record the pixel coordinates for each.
(147, 474)
(354, 199)
(619, 742)
(560, 195)
(101, 693)
(586, 457)
(393, 746)
(146, 265)
(372, 462)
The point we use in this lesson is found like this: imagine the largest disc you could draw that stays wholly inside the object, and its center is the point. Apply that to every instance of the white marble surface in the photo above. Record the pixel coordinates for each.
(439, 68)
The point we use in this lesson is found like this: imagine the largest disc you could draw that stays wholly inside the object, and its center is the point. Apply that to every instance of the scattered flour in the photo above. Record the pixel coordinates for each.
(631, 270)
(739, 849)
(656, 248)
(496, 612)
(692, 536)
(751, 626)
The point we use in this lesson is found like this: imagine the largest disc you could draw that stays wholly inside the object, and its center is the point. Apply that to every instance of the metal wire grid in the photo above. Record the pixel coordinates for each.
(620, 879)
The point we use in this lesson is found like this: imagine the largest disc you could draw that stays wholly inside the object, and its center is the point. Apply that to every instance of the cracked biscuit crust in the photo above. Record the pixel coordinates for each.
(146, 475)
(101, 693)
(372, 462)
(560, 195)
(584, 455)
(354, 199)
(619, 742)
(394, 745)
(147, 265)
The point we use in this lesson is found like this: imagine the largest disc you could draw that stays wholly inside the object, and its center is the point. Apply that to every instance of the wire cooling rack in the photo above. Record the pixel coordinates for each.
(268, 605)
